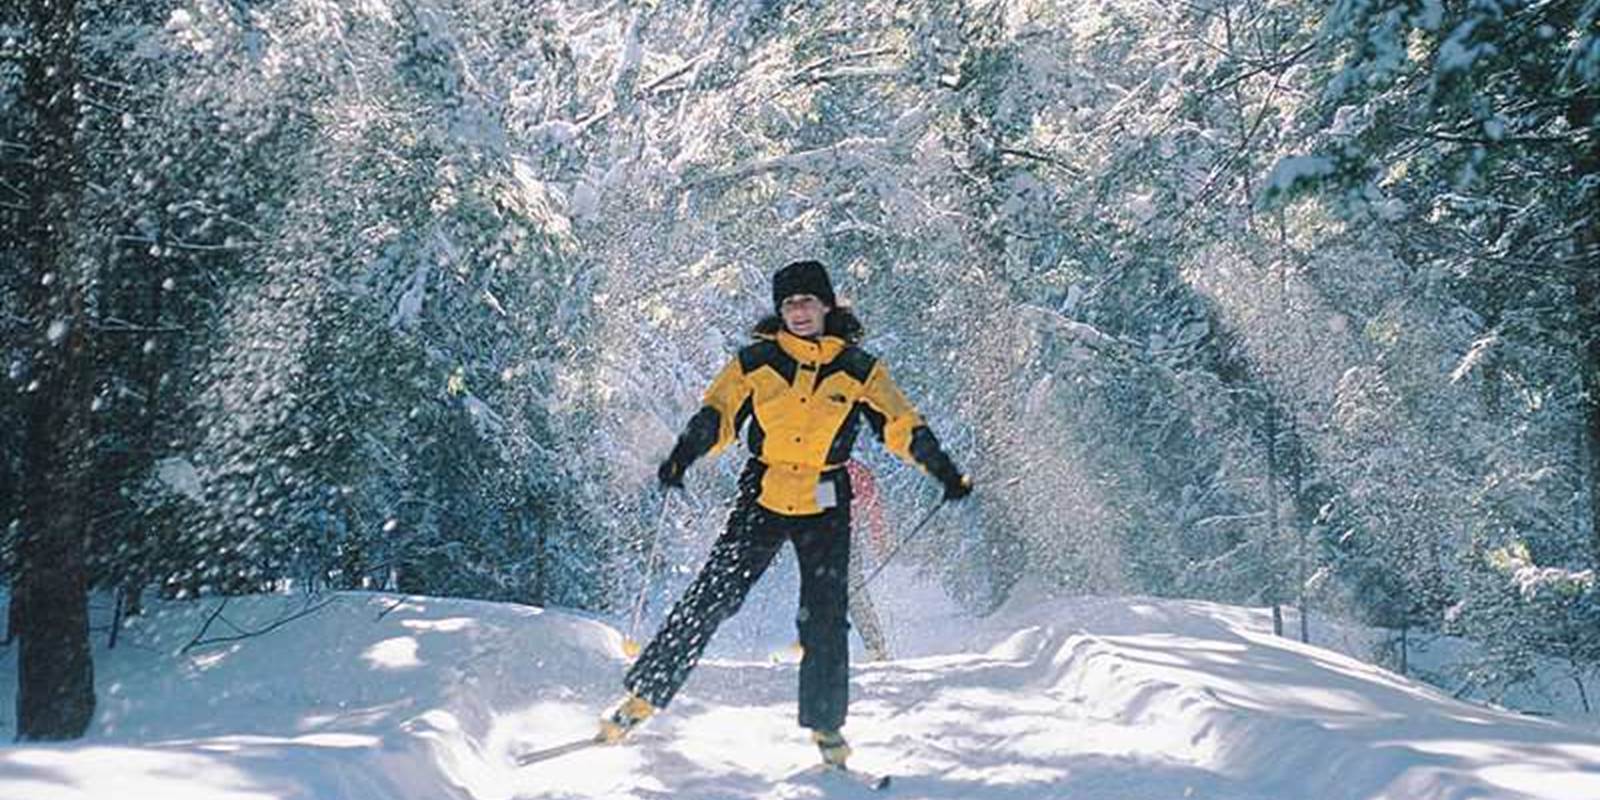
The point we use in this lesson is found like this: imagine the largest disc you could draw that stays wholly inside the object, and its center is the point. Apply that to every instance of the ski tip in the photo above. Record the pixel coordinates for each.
(870, 780)
(535, 756)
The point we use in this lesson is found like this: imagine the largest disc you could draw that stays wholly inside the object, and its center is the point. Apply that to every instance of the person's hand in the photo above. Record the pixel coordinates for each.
(958, 488)
(670, 474)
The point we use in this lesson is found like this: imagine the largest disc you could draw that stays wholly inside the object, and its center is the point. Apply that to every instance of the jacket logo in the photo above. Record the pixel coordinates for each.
(838, 398)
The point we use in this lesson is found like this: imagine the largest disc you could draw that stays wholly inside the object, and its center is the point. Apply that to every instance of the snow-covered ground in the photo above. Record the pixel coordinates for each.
(376, 697)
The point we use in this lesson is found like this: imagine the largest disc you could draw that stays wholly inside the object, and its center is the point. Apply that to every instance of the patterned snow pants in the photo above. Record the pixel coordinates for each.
(738, 559)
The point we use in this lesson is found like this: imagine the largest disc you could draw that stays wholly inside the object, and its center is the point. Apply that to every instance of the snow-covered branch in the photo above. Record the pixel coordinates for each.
(847, 153)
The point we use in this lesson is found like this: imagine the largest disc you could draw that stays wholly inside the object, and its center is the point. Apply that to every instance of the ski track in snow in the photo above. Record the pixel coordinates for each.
(1089, 699)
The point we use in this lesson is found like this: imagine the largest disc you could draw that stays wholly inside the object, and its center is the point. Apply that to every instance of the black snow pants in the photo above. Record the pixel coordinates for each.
(739, 557)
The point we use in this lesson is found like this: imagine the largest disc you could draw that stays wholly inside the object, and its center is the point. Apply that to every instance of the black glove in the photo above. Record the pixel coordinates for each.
(927, 452)
(957, 488)
(670, 473)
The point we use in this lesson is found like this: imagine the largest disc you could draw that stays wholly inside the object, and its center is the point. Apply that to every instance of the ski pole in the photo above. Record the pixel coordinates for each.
(630, 643)
(926, 518)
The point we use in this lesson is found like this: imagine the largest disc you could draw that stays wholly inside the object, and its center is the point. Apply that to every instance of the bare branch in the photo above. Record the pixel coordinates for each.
(200, 641)
(1051, 160)
(833, 155)
(670, 74)
(104, 81)
(179, 244)
(642, 94)
(817, 65)
(215, 612)
(119, 325)
(1275, 66)
(398, 602)
(843, 73)
(103, 106)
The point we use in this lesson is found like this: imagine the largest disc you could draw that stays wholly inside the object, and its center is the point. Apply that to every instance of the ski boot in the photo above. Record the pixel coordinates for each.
(616, 725)
(833, 747)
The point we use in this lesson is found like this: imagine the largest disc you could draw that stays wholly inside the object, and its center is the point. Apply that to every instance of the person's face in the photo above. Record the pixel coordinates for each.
(803, 314)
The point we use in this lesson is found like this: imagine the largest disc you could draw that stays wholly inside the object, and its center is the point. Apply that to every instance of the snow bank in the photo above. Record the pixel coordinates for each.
(1215, 688)
(368, 696)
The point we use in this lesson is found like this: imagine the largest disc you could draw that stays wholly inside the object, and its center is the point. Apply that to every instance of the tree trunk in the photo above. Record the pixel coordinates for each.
(1405, 648)
(55, 680)
(1302, 535)
(1272, 517)
(1589, 299)
(1578, 668)
(13, 616)
(541, 557)
(116, 619)
(136, 567)
(8, 513)
(1583, 111)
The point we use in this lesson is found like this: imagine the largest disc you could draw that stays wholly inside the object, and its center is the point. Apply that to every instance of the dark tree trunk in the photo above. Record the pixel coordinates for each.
(1273, 527)
(1302, 535)
(1405, 649)
(8, 513)
(136, 285)
(130, 593)
(55, 680)
(13, 615)
(541, 555)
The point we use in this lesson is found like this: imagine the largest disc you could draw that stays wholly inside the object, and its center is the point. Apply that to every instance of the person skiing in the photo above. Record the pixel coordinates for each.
(800, 392)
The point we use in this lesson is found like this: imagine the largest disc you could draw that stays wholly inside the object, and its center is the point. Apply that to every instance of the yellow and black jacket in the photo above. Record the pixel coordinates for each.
(801, 403)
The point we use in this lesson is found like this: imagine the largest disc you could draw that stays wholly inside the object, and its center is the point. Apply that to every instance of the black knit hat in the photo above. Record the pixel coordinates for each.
(802, 277)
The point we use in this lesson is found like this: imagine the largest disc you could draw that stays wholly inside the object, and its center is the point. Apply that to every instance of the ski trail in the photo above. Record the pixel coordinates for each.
(1218, 713)
(1083, 698)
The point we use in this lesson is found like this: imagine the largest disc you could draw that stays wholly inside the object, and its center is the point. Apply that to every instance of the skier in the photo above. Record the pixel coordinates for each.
(800, 391)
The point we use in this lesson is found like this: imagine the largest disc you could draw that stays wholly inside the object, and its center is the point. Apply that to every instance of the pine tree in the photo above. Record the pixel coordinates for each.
(1470, 131)
(55, 684)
